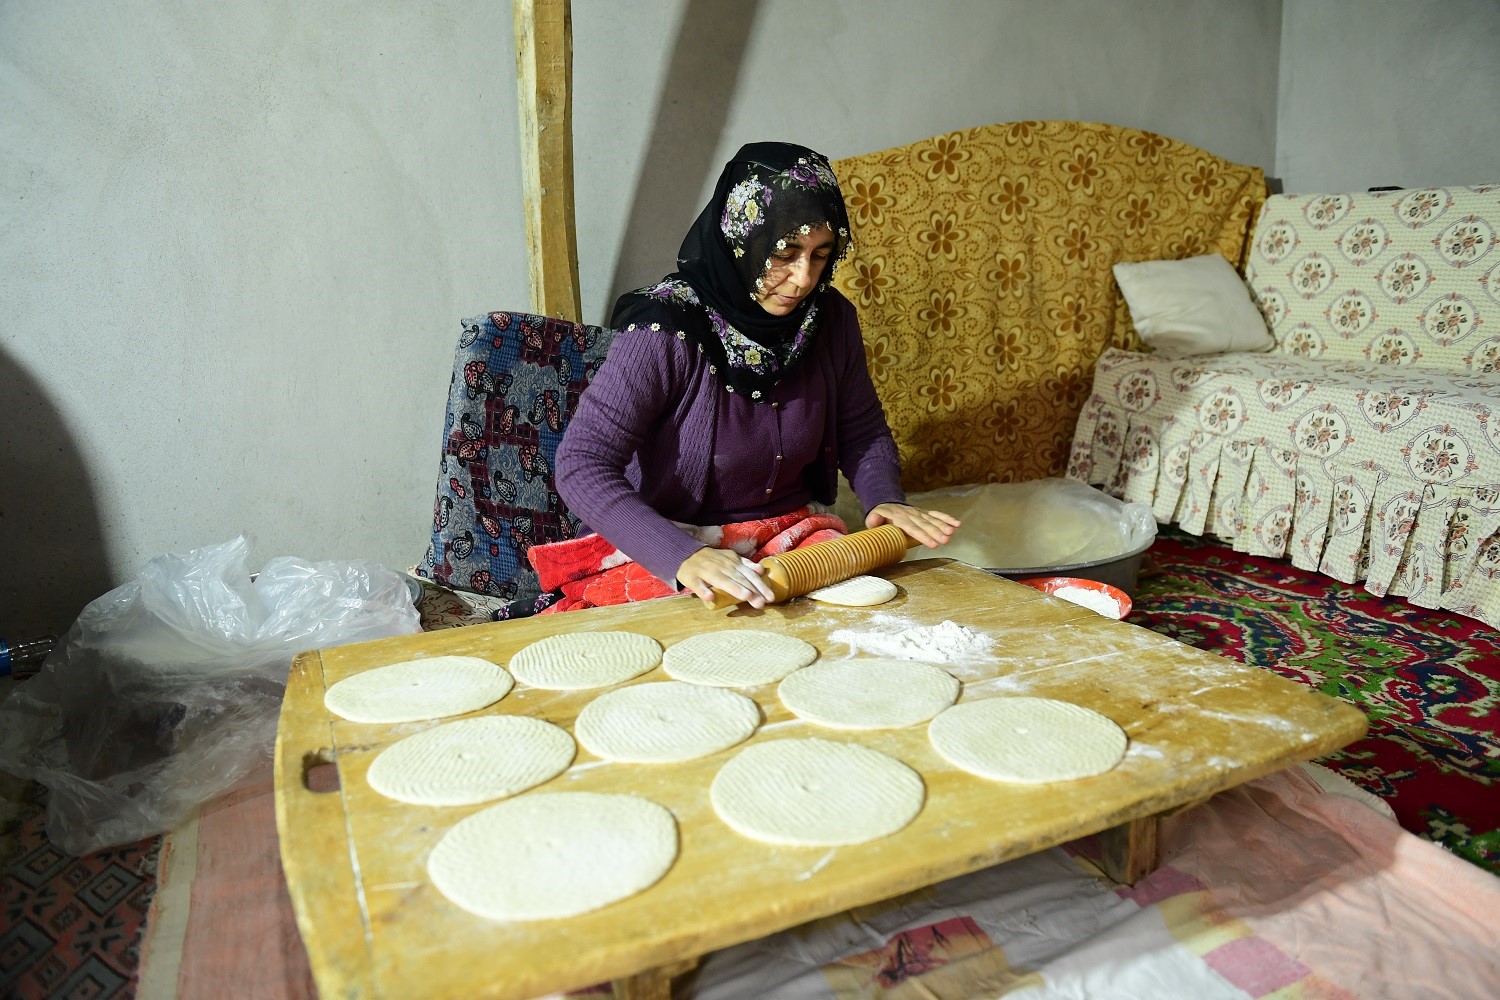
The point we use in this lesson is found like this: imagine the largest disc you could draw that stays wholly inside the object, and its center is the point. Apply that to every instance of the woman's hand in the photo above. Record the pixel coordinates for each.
(726, 570)
(930, 527)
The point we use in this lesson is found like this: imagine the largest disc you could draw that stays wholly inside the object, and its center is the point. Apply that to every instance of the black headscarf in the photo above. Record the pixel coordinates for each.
(769, 193)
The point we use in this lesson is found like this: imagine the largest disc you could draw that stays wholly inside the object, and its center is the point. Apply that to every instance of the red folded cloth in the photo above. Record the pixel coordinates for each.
(592, 573)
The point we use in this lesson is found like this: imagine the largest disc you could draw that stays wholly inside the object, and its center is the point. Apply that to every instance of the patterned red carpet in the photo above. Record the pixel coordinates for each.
(1429, 681)
(71, 926)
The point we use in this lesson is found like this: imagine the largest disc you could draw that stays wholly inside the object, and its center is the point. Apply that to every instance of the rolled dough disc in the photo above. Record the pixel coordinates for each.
(856, 592)
(742, 657)
(414, 690)
(868, 694)
(815, 793)
(577, 660)
(1030, 740)
(665, 721)
(553, 854)
(471, 760)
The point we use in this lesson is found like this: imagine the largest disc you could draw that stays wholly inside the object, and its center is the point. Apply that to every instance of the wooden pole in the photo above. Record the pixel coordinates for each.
(1131, 851)
(544, 71)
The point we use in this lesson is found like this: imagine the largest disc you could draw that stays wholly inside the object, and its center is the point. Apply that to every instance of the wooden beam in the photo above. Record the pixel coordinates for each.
(544, 81)
(1131, 851)
(653, 984)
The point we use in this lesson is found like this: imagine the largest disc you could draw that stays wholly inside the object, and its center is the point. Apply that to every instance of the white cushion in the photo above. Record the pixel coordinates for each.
(1194, 306)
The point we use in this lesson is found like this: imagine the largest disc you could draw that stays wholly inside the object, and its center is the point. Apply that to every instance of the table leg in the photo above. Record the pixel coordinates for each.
(1129, 851)
(653, 984)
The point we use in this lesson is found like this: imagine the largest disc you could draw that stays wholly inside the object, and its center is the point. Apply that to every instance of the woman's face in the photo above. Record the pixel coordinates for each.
(795, 270)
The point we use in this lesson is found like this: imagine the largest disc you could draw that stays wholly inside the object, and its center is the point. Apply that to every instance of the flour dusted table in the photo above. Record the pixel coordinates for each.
(375, 927)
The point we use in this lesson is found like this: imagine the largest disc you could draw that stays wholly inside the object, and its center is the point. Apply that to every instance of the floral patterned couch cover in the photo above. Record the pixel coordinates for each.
(1366, 443)
(981, 273)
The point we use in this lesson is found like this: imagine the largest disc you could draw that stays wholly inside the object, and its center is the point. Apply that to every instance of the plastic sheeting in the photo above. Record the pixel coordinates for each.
(166, 691)
(1045, 522)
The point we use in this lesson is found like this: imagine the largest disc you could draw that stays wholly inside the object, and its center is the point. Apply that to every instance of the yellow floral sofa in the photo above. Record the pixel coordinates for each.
(1366, 443)
(981, 272)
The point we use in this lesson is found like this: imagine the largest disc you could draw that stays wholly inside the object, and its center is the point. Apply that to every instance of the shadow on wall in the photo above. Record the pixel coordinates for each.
(682, 149)
(52, 555)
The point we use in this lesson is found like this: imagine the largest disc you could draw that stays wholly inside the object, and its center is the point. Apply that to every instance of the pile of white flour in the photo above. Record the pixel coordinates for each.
(945, 642)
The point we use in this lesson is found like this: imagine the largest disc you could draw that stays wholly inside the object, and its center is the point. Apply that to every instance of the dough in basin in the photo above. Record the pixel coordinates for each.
(577, 660)
(815, 793)
(1030, 740)
(665, 721)
(868, 694)
(856, 592)
(743, 657)
(553, 854)
(414, 690)
(471, 760)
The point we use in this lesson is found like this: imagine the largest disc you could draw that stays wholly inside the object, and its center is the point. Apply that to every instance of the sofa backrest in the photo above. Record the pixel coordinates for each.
(1404, 278)
(514, 388)
(981, 273)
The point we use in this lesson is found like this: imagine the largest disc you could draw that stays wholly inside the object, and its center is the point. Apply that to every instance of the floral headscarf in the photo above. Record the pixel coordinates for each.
(769, 193)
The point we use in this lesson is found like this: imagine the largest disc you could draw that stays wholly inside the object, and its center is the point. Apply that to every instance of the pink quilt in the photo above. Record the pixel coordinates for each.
(1274, 889)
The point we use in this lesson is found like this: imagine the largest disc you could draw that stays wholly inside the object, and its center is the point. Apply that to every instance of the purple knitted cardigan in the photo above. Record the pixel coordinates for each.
(637, 453)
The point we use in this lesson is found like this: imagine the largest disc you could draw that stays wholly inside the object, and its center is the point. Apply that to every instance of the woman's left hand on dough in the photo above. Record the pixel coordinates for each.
(930, 527)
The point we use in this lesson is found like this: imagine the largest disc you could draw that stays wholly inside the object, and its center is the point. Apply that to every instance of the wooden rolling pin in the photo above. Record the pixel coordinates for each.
(801, 571)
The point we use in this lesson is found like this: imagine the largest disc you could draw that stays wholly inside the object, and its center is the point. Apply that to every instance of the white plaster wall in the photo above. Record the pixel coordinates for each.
(859, 75)
(1379, 92)
(235, 239)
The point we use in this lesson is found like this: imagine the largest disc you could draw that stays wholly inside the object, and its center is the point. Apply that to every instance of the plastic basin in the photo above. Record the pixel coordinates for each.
(1113, 602)
(1120, 571)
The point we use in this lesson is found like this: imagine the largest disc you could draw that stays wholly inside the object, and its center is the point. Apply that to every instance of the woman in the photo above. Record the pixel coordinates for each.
(736, 388)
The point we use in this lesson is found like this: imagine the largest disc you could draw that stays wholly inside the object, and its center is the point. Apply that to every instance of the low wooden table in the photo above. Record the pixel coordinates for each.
(374, 925)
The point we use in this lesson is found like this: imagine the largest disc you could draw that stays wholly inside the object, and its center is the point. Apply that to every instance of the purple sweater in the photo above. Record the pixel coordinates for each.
(656, 439)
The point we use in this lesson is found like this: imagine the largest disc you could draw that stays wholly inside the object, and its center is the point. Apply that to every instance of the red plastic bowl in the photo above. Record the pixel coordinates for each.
(1052, 584)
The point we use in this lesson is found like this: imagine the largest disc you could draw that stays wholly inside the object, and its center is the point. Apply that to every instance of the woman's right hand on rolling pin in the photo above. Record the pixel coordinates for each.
(728, 571)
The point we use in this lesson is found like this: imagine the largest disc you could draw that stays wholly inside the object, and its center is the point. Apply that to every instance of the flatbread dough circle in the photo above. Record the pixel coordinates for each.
(868, 694)
(744, 657)
(471, 760)
(665, 721)
(416, 690)
(1029, 740)
(815, 793)
(578, 660)
(553, 854)
(856, 592)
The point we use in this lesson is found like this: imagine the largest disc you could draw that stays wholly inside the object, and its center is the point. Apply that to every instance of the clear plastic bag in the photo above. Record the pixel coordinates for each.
(1037, 524)
(166, 691)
